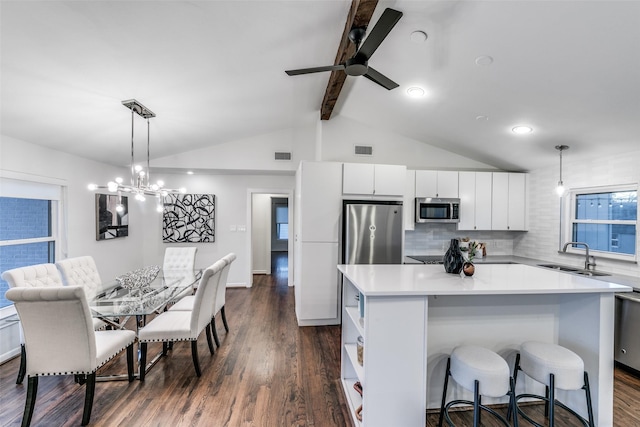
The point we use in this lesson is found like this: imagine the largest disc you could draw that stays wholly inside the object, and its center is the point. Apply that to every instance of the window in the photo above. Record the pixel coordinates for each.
(282, 222)
(28, 227)
(606, 220)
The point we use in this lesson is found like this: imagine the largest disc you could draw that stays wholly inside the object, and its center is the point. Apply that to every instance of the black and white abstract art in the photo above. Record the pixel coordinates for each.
(189, 218)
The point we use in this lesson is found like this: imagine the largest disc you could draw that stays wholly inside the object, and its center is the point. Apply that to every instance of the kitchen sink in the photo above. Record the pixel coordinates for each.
(573, 270)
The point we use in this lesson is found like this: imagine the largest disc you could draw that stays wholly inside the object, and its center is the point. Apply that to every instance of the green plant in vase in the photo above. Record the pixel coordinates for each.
(468, 268)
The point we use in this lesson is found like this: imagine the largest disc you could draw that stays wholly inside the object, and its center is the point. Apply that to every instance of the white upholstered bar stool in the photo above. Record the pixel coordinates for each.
(556, 367)
(483, 372)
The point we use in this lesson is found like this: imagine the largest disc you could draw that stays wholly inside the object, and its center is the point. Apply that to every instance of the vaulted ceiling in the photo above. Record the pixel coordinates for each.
(213, 72)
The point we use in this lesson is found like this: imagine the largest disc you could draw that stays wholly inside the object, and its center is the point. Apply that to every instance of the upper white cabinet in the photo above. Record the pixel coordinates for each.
(373, 180)
(508, 201)
(437, 184)
(475, 200)
(320, 202)
(409, 201)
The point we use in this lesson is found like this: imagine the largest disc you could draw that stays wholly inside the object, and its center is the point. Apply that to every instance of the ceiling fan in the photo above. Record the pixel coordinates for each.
(358, 65)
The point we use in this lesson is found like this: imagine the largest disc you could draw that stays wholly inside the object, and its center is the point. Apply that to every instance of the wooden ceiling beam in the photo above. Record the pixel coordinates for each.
(359, 16)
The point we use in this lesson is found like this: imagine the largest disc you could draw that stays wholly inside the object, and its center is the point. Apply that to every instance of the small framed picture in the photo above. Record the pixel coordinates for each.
(112, 216)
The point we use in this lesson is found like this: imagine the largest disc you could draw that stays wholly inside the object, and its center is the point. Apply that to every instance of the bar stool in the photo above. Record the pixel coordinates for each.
(555, 367)
(483, 372)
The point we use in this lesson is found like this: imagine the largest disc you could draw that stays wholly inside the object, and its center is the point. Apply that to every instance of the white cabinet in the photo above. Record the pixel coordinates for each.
(475, 200)
(508, 202)
(320, 201)
(374, 180)
(437, 184)
(319, 297)
(317, 209)
(409, 202)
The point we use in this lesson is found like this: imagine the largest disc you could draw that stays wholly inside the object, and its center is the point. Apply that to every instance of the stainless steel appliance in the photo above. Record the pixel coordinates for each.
(626, 342)
(372, 233)
(434, 209)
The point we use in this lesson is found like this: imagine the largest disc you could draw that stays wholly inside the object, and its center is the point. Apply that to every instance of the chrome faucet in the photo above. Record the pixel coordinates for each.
(590, 260)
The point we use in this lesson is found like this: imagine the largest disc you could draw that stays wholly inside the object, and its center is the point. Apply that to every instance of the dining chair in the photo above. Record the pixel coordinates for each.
(176, 261)
(60, 340)
(40, 275)
(186, 303)
(82, 271)
(177, 325)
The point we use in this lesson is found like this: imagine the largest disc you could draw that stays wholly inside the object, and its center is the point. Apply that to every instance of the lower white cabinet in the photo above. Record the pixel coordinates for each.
(317, 291)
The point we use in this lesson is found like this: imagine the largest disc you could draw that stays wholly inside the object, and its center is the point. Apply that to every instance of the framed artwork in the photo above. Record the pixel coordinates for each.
(112, 216)
(189, 218)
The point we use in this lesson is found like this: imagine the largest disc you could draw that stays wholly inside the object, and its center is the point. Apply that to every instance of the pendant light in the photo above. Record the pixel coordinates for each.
(140, 185)
(560, 187)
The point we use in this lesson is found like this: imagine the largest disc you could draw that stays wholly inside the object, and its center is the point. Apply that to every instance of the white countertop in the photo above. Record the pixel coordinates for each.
(491, 279)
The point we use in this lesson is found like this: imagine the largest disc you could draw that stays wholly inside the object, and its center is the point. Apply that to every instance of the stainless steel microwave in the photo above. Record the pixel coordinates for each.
(434, 209)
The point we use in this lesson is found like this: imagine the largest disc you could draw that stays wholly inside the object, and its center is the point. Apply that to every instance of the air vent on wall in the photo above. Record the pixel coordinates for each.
(363, 150)
(283, 155)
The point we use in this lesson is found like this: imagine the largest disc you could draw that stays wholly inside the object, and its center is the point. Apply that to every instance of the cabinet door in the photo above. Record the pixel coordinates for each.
(467, 194)
(426, 183)
(483, 201)
(319, 282)
(517, 201)
(448, 184)
(389, 180)
(500, 201)
(358, 178)
(409, 202)
(321, 202)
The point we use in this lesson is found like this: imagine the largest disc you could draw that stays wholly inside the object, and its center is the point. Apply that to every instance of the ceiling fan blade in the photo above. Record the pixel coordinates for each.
(383, 27)
(381, 79)
(315, 69)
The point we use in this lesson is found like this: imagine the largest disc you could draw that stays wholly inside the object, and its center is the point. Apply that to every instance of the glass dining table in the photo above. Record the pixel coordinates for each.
(138, 294)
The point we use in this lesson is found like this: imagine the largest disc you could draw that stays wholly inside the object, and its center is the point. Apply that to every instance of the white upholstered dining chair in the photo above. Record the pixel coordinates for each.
(176, 325)
(82, 271)
(186, 303)
(60, 340)
(40, 275)
(178, 261)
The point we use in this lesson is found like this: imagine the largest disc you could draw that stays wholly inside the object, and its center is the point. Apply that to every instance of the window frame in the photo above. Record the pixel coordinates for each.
(15, 186)
(570, 220)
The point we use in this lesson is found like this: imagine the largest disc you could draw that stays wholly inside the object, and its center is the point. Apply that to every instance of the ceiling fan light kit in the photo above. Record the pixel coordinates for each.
(358, 64)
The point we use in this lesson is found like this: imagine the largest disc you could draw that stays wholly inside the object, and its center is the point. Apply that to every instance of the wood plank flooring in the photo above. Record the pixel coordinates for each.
(268, 372)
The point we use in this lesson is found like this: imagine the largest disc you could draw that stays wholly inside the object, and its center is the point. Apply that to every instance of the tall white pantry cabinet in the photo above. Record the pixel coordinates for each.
(317, 208)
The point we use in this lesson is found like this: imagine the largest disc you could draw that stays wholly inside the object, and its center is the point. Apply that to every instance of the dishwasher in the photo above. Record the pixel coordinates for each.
(627, 329)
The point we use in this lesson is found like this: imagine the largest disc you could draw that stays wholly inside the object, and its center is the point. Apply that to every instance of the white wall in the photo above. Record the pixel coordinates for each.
(233, 200)
(542, 240)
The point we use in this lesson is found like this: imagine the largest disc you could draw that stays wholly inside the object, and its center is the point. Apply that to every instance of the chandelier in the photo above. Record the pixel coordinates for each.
(140, 185)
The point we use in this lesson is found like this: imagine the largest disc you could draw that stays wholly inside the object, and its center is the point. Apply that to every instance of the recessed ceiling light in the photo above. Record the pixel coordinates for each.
(522, 130)
(482, 118)
(415, 92)
(189, 172)
(484, 60)
(418, 37)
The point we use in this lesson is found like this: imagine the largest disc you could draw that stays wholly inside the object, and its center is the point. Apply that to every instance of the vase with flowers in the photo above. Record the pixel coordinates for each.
(467, 267)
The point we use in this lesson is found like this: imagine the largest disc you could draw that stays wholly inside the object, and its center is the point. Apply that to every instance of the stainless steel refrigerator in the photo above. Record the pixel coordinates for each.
(372, 232)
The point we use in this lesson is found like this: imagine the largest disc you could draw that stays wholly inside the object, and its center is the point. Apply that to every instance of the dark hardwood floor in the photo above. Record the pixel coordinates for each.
(268, 372)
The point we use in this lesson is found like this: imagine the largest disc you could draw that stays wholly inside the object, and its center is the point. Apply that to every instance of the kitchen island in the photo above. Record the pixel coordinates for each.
(414, 315)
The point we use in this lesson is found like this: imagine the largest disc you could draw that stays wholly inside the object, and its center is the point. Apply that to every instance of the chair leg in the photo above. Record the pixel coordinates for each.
(23, 365)
(215, 331)
(143, 360)
(32, 391)
(224, 319)
(165, 347)
(194, 356)
(444, 393)
(546, 403)
(552, 399)
(516, 368)
(512, 401)
(88, 398)
(209, 340)
(587, 390)
(130, 362)
(476, 403)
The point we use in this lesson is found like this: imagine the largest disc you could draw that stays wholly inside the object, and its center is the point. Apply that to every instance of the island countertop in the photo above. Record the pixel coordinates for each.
(491, 279)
